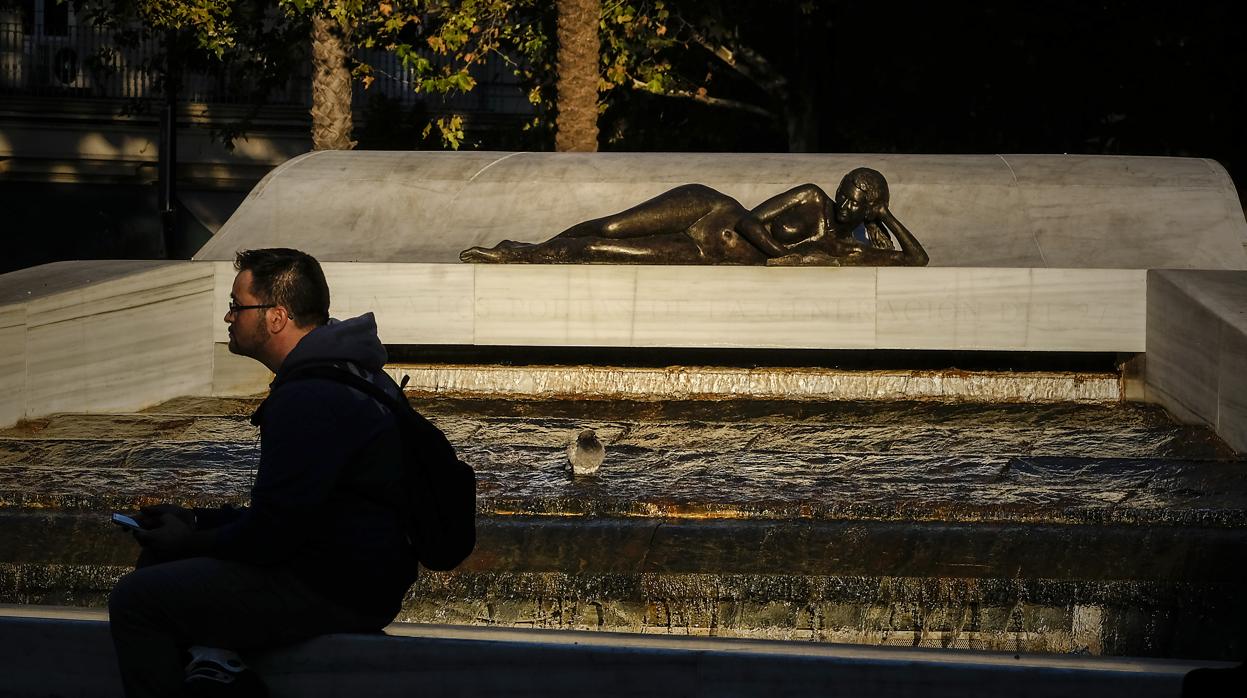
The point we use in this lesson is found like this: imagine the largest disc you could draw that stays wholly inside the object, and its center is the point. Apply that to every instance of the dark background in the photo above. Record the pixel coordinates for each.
(1121, 78)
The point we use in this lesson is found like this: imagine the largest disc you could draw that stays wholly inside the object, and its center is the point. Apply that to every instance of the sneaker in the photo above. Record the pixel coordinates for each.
(216, 672)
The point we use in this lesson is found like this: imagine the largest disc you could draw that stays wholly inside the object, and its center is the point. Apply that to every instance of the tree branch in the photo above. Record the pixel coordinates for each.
(748, 63)
(707, 99)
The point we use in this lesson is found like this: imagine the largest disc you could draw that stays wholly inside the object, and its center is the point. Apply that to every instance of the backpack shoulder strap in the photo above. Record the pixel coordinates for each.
(432, 442)
(337, 374)
(341, 375)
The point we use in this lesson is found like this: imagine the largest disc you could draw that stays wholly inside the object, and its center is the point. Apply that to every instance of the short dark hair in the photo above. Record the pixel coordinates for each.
(289, 278)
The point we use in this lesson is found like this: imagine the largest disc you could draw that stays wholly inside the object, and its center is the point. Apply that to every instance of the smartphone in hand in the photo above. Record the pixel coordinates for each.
(126, 522)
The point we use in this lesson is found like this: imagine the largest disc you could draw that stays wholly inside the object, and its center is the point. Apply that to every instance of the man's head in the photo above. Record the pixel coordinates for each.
(861, 192)
(279, 295)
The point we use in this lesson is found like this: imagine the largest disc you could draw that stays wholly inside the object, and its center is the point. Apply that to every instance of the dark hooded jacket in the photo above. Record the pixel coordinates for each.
(327, 501)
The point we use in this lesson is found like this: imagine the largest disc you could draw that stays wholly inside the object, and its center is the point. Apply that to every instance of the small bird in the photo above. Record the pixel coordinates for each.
(586, 453)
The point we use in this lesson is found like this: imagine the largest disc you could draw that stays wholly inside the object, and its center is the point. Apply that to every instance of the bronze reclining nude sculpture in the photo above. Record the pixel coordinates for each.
(694, 224)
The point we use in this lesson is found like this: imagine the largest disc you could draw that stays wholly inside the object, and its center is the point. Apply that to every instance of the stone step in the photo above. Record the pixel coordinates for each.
(1111, 589)
(778, 547)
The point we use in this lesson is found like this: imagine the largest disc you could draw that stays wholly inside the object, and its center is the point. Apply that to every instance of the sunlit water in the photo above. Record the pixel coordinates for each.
(731, 459)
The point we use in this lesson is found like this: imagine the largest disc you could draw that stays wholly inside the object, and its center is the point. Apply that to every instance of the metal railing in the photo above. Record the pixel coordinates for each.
(89, 62)
(80, 63)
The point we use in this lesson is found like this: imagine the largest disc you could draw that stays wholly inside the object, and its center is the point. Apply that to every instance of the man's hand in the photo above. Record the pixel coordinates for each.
(149, 516)
(167, 533)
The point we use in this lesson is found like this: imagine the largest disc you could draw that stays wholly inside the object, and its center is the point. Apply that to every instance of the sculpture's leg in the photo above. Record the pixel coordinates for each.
(675, 248)
(691, 224)
(673, 211)
(553, 251)
(484, 254)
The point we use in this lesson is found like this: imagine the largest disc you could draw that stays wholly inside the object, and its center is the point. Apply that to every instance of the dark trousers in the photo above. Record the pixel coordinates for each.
(155, 612)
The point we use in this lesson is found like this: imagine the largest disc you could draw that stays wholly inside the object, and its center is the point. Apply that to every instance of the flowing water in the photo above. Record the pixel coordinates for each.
(1050, 527)
(729, 459)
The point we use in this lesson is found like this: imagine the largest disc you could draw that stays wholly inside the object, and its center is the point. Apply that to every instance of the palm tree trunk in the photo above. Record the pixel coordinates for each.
(576, 126)
(331, 86)
(800, 106)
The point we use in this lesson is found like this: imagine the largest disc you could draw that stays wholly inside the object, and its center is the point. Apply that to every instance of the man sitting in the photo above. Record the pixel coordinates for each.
(322, 547)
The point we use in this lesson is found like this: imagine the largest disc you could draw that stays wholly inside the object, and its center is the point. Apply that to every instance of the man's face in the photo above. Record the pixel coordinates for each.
(248, 329)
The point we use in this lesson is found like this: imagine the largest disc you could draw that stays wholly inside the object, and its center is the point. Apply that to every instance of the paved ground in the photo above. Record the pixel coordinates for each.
(553, 664)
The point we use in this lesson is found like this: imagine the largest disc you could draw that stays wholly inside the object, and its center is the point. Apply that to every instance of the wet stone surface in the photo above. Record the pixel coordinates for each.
(1019, 527)
(891, 461)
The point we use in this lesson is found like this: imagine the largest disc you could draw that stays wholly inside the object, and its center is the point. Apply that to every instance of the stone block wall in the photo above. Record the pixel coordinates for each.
(1197, 348)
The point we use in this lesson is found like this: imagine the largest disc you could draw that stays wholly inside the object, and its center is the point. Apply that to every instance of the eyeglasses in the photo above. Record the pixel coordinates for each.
(234, 308)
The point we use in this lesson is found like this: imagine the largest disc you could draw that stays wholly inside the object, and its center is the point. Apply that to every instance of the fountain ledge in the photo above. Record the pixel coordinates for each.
(721, 383)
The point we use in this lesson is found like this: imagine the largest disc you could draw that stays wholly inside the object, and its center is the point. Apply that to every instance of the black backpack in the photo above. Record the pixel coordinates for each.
(441, 489)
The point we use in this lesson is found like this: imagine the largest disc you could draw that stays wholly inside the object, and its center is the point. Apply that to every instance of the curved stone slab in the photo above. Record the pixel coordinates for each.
(1057, 211)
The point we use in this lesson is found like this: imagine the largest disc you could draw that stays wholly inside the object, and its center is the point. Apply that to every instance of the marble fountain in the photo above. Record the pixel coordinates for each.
(1033, 444)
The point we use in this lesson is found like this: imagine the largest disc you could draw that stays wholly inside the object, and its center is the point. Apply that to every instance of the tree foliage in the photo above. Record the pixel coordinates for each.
(251, 45)
(850, 75)
(697, 50)
(673, 48)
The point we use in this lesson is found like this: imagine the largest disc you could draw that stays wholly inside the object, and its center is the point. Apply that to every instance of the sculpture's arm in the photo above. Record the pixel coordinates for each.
(834, 252)
(912, 253)
(802, 195)
(758, 235)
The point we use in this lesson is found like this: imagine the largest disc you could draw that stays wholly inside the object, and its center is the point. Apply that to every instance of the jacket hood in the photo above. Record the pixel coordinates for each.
(353, 340)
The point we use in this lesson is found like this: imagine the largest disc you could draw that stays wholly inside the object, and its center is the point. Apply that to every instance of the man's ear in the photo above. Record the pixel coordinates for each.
(278, 318)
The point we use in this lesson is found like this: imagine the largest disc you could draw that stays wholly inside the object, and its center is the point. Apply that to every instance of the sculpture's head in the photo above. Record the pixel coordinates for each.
(859, 195)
